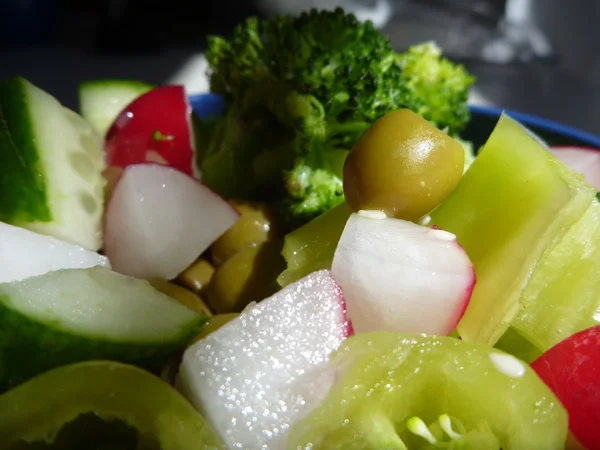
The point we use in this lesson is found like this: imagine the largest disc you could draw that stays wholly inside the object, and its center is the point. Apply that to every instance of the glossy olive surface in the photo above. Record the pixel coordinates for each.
(197, 276)
(403, 166)
(256, 224)
(214, 324)
(248, 276)
(185, 296)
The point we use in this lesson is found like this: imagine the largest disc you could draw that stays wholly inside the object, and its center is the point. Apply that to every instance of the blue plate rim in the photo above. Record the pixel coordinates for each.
(540, 123)
(589, 139)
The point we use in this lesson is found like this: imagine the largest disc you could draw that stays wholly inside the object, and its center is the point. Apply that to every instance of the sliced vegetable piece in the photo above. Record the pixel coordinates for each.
(155, 127)
(248, 276)
(563, 294)
(186, 297)
(404, 390)
(51, 164)
(399, 276)
(197, 276)
(25, 254)
(259, 373)
(101, 101)
(312, 246)
(74, 315)
(159, 221)
(257, 223)
(36, 411)
(582, 160)
(215, 322)
(512, 206)
(572, 370)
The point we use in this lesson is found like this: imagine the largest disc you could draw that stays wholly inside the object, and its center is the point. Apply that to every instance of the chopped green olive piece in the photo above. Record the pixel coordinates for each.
(197, 276)
(256, 224)
(185, 296)
(248, 276)
(215, 322)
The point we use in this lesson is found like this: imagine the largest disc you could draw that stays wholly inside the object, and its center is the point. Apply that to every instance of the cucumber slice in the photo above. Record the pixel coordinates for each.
(563, 295)
(390, 386)
(74, 315)
(512, 206)
(51, 165)
(101, 101)
(36, 411)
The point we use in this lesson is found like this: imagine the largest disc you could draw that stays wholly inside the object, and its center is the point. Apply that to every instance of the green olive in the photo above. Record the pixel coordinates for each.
(248, 276)
(188, 298)
(170, 368)
(256, 224)
(215, 322)
(403, 166)
(197, 276)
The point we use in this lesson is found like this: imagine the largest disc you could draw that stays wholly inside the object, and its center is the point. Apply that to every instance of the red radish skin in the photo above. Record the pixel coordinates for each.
(470, 287)
(155, 127)
(571, 369)
(260, 373)
(159, 220)
(400, 276)
(582, 160)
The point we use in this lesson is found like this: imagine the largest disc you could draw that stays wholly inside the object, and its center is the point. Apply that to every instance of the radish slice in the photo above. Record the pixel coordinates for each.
(25, 254)
(399, 276)
(582, 160)
(155, 127)
(159, 220)
(257, 375)
(572, 370)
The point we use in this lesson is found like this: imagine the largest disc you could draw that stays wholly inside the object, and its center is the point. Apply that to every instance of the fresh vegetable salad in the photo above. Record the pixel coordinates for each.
(324, 265)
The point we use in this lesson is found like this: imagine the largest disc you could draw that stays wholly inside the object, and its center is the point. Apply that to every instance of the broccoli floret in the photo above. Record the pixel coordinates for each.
(300, 91)
(439, 89)
(312, 192)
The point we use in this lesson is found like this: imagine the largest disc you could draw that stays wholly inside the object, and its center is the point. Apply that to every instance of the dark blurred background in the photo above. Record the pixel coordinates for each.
(537, 56)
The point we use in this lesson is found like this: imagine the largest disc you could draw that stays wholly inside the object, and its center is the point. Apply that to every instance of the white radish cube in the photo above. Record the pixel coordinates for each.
(159, 220)
(263, 371)
(400, 276)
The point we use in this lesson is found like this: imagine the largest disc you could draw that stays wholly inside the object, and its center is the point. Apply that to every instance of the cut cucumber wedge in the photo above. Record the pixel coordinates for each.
(76, 315)
(513, 205)
(563, 295)
(101, 101)
(36, 411)
(51, 165)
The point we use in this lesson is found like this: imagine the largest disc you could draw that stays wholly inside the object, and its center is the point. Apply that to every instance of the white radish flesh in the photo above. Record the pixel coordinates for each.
(257, 375)
(399, 276)
(25, 254)
(159, 220)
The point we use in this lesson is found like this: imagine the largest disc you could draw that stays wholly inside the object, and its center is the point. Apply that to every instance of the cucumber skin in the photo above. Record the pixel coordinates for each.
(23, 195)
(121, 82)
(29, 347)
